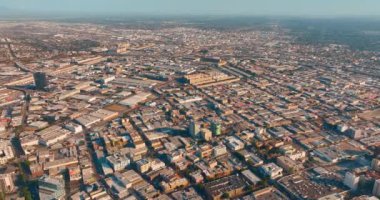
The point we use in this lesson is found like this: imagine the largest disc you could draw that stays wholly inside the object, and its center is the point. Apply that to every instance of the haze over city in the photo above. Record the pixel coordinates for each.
(189, 100)
(198, 7)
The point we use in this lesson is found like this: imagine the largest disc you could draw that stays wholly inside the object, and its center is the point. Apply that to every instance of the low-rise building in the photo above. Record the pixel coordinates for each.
(234, 143)
(51, 188)
(227, 187)
(271, 170)
(288, 164)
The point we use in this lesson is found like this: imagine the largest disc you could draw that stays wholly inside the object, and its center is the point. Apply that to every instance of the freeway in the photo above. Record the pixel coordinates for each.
(14, 58)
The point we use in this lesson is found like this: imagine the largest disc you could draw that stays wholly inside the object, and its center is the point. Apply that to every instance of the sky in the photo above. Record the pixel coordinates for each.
(197, 7)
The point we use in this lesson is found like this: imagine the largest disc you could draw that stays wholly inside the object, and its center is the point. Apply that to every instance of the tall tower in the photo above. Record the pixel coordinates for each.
(351, 181)
(40, 80)
(194, 129)
(376, 188)
(216, 128)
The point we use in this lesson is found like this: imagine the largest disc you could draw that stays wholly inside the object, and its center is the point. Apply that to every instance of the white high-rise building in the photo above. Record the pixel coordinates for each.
(376, 188)
(351, 181)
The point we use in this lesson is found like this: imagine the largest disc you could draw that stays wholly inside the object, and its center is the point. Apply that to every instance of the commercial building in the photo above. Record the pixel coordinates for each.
(135, 99)
(7, 183)
(234, 143)
(52, 135)
(351, 180)
(271, 170)
(40, 80)
(188, 194)
(316, 184)
(75, 128)
(210, 78)
(227, 187)
(194, 129)
(206, 134)
(6, 152)
(376, 188)
(288, 164)
(96, 116)
(251, 177)
(51, 188)
(216, 128)
(118, 162)
(268, 193)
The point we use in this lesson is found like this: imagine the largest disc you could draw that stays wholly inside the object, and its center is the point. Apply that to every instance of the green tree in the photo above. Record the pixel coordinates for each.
(226, 195)
(26, 193)
(248, 188)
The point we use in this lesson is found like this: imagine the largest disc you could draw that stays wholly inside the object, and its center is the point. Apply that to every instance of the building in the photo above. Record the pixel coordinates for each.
(194, 129)
(6, 152)
(74, 173)
(188, 193)
(271, 170)
(376, 188)
(210, 78)
(75, 128)
(157, 164)
(251, 177)
(216, 128)
(96, 116)
(175, 183)
(351, 181)
(375, 164)
(288, 164)
(314, 184)
(118, 162)
(135, 99)
(51, 188)
(234, 143)
(59, 164)
(7, 183)
(206, 134)
(143, 165)
(40, 80)
(268, 193)
(52, 135)
(219, 150)
(292, 153)
(205, 151)
(227, 187)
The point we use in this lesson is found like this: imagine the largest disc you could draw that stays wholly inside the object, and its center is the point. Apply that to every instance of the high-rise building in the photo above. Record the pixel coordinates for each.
(216, 128)
(194, 129)
(206, 134)
(40, 80)
(351, 181)
(376, 188)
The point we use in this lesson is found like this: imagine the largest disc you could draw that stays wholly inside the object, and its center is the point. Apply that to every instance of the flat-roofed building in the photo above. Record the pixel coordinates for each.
(227, 187)
(271, 170)
(251, 177)
(288, 164)
(204, 79)
(135, 99)
(51, 188)
(6, 152)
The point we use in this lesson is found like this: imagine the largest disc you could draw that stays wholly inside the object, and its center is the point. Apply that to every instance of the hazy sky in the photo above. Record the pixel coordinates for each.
(200, 7)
